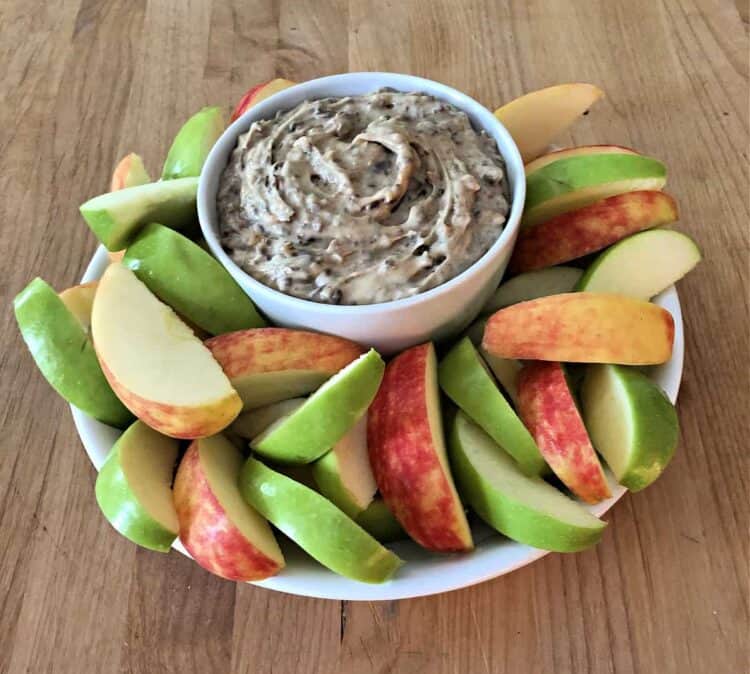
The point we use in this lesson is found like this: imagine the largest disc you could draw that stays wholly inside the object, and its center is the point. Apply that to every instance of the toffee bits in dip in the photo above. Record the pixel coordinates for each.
(362, 199)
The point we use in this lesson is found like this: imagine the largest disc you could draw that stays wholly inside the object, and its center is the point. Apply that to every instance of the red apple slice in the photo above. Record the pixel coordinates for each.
(266, 365)
(222, 532)
(258, 93)
(582, 328)
(154, 363)
(129, 172)
(549, 411)
(407, 453)
(591, 228)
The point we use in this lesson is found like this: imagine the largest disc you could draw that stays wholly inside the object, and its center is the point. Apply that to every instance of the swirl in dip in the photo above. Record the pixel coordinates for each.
(362, 199)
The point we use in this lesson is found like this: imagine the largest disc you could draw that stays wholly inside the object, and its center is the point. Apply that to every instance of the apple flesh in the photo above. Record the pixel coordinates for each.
(465, 379)
(549, 411)
(380, 523)
(407, 453)
(116, 217)
(582, 151)
(632, 423)
(537, 118)
(316, 525)
(192, 282)
(582, 328)
(133, 488)
(258, 93)
(533, 284)
(129, 172)
(325, 417)
(192, 144)
(505, 369)
(80, 300)
(267, 365)
(525, 509)
(344, 475)
(643, 265)
(591, 228)
(154, 362)
(221, 531)
(573, 182)
(63, 352)
(252, 423)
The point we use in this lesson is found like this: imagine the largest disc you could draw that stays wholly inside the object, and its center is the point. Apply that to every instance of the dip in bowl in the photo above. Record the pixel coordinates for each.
(387, 217)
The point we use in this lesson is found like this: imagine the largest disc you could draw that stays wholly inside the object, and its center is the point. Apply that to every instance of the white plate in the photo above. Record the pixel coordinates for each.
(424, 573)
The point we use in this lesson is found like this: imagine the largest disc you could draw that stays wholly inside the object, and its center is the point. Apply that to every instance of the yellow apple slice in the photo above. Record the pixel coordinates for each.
(155, 364)
(537, 118)
(79, 300)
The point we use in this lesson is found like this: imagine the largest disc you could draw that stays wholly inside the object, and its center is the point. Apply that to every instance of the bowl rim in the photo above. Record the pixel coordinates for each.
(455, 572)
(266, 108)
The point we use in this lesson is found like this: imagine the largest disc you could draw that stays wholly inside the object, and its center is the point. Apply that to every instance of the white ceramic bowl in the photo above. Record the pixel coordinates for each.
(424, 573)
(391, 326)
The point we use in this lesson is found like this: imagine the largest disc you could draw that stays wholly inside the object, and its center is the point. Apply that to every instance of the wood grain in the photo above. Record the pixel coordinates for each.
(84, 82)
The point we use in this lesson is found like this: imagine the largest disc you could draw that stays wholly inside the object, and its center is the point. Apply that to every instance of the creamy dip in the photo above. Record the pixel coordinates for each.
(362, 199)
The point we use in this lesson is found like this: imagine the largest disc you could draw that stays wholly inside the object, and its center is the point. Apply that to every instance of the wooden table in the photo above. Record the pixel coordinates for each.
(84, 82)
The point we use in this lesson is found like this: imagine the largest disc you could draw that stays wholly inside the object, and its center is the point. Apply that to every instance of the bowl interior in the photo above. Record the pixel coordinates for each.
(424, 573)
(346, 85)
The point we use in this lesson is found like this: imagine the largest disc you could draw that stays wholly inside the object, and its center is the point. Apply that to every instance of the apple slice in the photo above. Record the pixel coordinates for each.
(64, 354)
(643, 265)
(565, 153)
(505, 369)
(152, 360)
(134, 487)
(407, 453)
(116, 217)
(534, 284)
(379, 522)
(79, 300)
(576, 181)
(224, 534)
(591, 228)
(251, 424)
(466, 380)
(129, 172)
(271, 364)
(316, 426)
(582, 328)
(258, 93)
(549, 411)
(192, 144)
(631, 422)
(344, 475)
(316, 525)
(526, 509)
(192, 282)
(537, 118)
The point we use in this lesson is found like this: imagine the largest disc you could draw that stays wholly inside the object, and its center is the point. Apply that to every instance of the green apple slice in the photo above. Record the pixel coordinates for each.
(465, 379)
(133, 488)
(506, 370)
(251, 424)
(526, 509)
(192, 282)
(533, 284)
(116, 217)
(379, 522)
(344, 474)
(63, 352)
(632, 424)
(642, 265)
(316, 525)
(326, 416)
(573, 182)
(192, 144)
